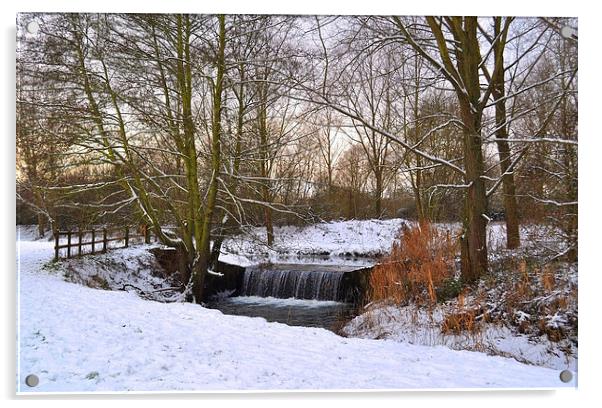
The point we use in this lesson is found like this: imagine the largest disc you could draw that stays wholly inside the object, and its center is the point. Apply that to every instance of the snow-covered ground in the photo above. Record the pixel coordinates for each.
(76, 338)
(352, 242)
(423, 326)
(416, 326)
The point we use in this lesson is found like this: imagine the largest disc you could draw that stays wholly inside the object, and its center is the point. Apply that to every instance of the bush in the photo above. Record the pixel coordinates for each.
(450, 288)
(420, 261)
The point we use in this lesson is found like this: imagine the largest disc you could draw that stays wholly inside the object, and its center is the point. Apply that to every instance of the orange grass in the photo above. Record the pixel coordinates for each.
(419, 261)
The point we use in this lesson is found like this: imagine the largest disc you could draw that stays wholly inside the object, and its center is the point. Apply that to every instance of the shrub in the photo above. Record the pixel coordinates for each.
(450, 288)
(461, 318)
(421, 259)
(459, 322)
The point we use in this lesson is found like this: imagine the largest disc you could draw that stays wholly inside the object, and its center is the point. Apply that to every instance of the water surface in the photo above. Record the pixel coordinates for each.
(294, 312)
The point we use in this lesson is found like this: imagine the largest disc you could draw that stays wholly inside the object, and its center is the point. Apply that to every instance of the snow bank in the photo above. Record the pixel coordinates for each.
(353, 242)
(31, 233)
(131, 269)
(416, 326)
(80, 339)
(534, 238)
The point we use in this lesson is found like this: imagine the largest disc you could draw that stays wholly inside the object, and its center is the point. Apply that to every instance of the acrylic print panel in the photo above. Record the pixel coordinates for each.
(252, 202)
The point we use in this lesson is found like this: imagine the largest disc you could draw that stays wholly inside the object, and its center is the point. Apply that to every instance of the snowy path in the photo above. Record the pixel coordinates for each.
(80, 339)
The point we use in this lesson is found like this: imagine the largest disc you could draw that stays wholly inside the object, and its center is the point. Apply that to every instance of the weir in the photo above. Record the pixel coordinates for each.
(311, 295)
(298, 294)
(341, 283)
(284, 281)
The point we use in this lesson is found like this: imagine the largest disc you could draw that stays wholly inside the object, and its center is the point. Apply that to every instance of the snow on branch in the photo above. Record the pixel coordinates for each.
(452, 185)
(553, 202)
(538, 140)
(212, 272)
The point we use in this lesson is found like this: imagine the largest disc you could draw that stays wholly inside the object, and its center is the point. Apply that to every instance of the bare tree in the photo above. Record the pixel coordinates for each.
(201, 123)
(135, 125)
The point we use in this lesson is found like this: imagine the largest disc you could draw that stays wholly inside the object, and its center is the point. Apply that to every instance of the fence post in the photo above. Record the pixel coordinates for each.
(79, 243)
(93, 240)
(146, 234)
(56, 245)
(104, 240)
(127, 236)
(68, 244)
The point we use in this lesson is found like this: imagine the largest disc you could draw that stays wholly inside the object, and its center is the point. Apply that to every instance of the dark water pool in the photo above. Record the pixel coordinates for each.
(294, 312)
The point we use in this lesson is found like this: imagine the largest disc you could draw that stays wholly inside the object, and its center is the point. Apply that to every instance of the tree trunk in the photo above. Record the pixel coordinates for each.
(378, 193)
(216, 249)
(464, 76)
(508, 188)
(269, 226)
(200, 267)
(184, 265)
(233, 185)
(39, 202)
(417, 184)
(474, 238)
(417, 189)
(41, 225)
(264, 165)
(508, 185)
(265, 190)
(350, 212)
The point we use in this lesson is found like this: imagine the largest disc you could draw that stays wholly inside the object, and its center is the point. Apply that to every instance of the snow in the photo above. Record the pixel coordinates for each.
(31, 233)
(556, 321)
(533, 238)
(416, 326)
(212, 272)
(352, 242)
(76, 338)
(420, 326)
(132, 269)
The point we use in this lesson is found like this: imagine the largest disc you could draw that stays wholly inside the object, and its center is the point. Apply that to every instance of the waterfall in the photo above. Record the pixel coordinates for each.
(290, 282)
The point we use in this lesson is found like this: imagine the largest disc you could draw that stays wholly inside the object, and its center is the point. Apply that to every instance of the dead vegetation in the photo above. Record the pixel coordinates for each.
(420, 260)
(526, 292)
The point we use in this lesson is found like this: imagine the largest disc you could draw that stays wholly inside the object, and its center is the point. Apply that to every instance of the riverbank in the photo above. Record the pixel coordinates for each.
(76, 338)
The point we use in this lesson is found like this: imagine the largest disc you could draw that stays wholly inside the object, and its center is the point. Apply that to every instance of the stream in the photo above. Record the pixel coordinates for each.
(293, 294)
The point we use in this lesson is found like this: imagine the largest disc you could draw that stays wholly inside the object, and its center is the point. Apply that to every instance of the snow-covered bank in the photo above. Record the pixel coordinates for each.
(355, 241)
(525, 307)
(416, 326)
(351, 242)
(81, 339)
(134, 269)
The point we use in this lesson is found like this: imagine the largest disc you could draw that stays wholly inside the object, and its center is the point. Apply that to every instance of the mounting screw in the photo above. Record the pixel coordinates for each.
(32, 27)
(568, 33)
(32, 380)
(566, 376)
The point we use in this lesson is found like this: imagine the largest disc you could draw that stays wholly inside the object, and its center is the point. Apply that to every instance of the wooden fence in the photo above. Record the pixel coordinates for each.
(78, 241)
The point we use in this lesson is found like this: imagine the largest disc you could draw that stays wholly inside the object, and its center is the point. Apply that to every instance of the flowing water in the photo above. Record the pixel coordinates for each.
(316, 282)
(297, 295)
(294, 312)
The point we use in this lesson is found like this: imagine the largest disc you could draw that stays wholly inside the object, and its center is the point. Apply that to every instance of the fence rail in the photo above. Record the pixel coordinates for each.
(78, 240)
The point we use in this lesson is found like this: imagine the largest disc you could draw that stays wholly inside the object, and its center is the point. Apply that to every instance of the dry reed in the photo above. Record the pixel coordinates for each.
(419, 261)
